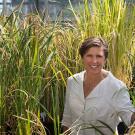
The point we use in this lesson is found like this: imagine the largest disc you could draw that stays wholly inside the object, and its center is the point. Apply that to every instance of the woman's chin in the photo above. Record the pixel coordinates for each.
(94, 71)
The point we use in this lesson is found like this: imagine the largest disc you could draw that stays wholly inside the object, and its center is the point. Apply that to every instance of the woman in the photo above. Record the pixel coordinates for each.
(96, 101)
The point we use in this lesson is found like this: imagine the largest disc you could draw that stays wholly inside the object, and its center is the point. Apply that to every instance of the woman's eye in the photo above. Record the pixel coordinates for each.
(89, 56)
(99, 56)
(96, 56)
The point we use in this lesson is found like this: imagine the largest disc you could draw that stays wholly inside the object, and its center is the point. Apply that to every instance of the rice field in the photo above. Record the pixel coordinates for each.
(37, 56)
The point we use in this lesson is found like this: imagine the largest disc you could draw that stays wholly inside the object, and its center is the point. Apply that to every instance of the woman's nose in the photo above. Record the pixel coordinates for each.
(94, 60)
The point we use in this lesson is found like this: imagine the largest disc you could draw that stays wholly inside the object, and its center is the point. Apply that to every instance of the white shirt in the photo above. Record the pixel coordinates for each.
(108, 102)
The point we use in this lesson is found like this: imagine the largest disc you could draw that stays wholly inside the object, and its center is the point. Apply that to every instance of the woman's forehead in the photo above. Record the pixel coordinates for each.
(95, 48)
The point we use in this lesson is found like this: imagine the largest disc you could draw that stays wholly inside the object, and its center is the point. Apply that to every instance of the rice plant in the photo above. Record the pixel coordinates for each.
(113, 20)
(37, 56)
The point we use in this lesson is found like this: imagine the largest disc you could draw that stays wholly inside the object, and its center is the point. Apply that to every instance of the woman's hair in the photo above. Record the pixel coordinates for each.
(93, 42)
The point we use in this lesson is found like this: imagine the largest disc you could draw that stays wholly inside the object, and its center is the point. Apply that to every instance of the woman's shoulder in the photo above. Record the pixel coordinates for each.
(116, 83)
(77, 76)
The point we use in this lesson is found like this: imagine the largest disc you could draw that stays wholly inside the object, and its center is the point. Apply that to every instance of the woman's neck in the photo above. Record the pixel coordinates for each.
(95, 77)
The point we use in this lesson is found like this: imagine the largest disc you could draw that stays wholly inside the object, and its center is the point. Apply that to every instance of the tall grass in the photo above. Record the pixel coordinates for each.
(26, 51)
(37, 56)
(113, 20)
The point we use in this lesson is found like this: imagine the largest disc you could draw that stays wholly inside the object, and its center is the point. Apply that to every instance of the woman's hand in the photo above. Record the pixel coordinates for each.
(133, 118)
(66, 129)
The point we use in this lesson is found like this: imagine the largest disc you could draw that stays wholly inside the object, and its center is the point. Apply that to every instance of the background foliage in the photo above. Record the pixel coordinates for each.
(37, 56)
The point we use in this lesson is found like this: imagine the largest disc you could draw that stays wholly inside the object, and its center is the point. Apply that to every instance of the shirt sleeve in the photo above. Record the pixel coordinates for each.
(67, 121)
(123, 105)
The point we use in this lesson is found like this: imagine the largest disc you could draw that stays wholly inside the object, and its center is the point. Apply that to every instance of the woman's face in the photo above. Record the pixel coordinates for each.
(94, 60)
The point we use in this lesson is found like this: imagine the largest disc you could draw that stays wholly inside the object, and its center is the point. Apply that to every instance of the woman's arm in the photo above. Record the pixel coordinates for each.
(123, 106)
(66, 120)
